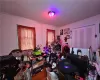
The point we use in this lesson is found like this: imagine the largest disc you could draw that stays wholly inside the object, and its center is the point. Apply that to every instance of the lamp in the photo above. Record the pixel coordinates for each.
(51, 13)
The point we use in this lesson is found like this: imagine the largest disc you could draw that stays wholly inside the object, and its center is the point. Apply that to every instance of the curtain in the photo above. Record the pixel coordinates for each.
(50, 36)
(26, 38)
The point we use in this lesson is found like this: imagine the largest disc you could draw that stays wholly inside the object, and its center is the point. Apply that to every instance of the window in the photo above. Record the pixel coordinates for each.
(50, 36)
(26, 37)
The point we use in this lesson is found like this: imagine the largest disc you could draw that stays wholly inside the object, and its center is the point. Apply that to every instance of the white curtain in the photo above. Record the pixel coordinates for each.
(50, 37)
(27, 38)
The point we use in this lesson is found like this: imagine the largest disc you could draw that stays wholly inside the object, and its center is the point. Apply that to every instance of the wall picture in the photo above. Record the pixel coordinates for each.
(67, 31)
(61, 32)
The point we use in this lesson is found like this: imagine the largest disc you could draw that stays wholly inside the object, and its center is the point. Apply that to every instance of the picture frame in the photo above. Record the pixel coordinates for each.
(67, 31)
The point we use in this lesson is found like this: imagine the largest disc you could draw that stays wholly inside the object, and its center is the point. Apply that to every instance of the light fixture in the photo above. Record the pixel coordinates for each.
(51, 13)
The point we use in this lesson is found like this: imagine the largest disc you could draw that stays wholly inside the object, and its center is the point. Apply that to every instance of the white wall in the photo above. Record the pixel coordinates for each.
(9, 39)
(9, 31)
(95, 20)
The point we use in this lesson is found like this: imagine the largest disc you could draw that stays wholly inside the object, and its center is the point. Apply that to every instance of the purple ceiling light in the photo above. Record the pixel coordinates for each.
(51, 13)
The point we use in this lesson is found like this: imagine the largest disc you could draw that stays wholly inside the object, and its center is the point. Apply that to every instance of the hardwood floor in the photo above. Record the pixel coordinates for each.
(40, 76)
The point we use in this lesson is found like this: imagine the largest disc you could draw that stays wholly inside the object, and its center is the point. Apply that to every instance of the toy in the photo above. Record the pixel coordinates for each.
(37, 51)
(46, 49)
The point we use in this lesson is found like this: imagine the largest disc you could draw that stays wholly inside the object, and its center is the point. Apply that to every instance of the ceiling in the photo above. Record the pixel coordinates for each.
(67, 11)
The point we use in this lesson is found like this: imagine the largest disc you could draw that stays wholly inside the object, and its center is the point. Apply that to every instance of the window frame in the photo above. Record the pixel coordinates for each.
(19, 34)
(49, 30)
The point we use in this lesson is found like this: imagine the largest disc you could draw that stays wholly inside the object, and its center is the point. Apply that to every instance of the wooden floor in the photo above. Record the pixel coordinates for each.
(40, 76)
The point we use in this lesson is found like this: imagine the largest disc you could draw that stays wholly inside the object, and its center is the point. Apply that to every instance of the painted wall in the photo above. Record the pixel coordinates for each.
(9, 39)
(9, 31)
(89, 22)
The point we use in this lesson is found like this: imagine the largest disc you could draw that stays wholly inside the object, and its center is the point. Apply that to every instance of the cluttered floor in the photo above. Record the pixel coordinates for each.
(40, 76)
(47, 66)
